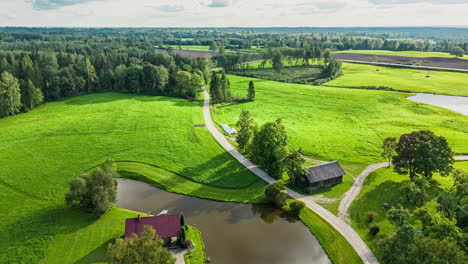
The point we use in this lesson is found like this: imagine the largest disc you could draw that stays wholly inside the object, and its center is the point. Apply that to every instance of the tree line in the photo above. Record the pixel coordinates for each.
(30, 77)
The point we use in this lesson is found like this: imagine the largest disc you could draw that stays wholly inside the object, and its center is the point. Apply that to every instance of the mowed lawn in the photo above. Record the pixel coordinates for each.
(42, 150)
(348, 125)
(421, 81)
(386, 186)
(408, 53)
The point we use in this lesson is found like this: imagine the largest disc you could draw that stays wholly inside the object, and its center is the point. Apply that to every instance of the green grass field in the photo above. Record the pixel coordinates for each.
(422, 81)
(415, 54)
(192, 47)
(385, 186)
(43, 149)
(347, 125)
(197, 256)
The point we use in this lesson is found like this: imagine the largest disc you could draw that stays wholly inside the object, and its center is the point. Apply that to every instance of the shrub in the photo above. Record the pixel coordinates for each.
(280, 198)
(296, 207)
(272, 190)
(374, 230)
(371, 216)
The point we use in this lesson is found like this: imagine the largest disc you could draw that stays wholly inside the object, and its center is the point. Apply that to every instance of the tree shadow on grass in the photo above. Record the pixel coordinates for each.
(98, 255)
(106, 97)
(30, 235)
(226, 172)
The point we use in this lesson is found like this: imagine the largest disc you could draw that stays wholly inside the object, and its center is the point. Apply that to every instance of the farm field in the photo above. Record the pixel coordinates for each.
(43, 149)
(347, 125)
(385, 186)
(409, 53)
(422, 81)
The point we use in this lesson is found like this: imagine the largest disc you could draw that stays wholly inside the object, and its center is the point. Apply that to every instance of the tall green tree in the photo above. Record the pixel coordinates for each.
(10, 95)
(269, 147)
(246, 131)
(147, 248)
(422, 153)
(251, 91)
(215, 92)
(388, 149)
(295, 165)
(162, 80)
(277, 61)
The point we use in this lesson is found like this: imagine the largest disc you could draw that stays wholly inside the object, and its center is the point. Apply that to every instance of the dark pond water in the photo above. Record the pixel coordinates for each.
(233, 233)
(455, 103)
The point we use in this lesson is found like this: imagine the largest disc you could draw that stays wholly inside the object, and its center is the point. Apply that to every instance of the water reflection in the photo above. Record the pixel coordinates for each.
(233, 233)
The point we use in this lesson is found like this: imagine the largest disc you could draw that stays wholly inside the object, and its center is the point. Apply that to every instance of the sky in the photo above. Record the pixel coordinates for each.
(233, 13)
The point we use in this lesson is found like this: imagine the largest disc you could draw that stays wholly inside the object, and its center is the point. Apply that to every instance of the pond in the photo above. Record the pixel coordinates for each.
(455, 103)
(233, 233)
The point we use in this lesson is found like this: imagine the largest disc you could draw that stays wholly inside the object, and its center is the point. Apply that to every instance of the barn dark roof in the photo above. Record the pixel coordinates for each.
(325, 171)
(165, 225)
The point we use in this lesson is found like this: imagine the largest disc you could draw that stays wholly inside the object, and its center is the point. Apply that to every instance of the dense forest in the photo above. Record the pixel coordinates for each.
(37, 70)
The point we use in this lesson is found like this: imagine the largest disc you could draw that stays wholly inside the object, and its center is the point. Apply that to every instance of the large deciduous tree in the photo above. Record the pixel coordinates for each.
(147, 248)
(95, 193)
(269, 147)
(457, 51)
(10, 95)
(422, 153)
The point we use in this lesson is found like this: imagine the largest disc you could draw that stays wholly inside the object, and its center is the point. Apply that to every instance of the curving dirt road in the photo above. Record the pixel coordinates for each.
(354, 191)
(341, 226)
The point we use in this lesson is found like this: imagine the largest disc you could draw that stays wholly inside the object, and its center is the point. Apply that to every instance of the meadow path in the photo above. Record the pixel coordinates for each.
(354, 191)
(341, 226)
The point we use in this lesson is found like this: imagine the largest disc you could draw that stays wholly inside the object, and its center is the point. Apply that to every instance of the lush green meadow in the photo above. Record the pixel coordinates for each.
(409, 53)
(296, 74)
(192, 47)
(347, 125)
(422, 81)
(385, 186)
(43, 149)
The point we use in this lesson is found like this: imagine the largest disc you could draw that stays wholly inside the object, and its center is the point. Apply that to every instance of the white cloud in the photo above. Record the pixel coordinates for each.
(239, 13)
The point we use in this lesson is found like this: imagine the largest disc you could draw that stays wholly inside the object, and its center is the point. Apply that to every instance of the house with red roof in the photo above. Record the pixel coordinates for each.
(166, 226)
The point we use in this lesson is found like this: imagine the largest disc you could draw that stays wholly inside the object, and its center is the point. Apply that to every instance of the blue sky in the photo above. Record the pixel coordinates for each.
(242, 13)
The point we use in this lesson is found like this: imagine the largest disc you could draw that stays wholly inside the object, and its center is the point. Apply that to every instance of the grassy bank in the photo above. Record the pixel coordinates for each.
(421, 81)
(197, 256)
(409, 53)
(335, 245)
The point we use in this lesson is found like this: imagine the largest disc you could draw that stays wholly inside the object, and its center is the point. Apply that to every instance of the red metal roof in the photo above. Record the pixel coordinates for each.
(165, 225)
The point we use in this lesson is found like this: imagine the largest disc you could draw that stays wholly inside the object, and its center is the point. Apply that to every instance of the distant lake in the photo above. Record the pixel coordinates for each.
(233, 233)
(455, 103)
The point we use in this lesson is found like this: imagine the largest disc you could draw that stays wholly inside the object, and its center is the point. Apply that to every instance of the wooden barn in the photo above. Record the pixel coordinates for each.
(324, 175)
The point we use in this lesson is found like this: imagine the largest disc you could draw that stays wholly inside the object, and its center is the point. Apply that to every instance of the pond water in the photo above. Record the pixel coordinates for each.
(455, 103)
(233, 233)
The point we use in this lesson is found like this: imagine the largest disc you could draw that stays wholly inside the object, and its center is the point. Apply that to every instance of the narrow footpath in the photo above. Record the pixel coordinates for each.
(339, 224)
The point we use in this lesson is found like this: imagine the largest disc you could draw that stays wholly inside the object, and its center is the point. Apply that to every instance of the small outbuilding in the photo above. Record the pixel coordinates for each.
(324, 175)
(167, 226)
